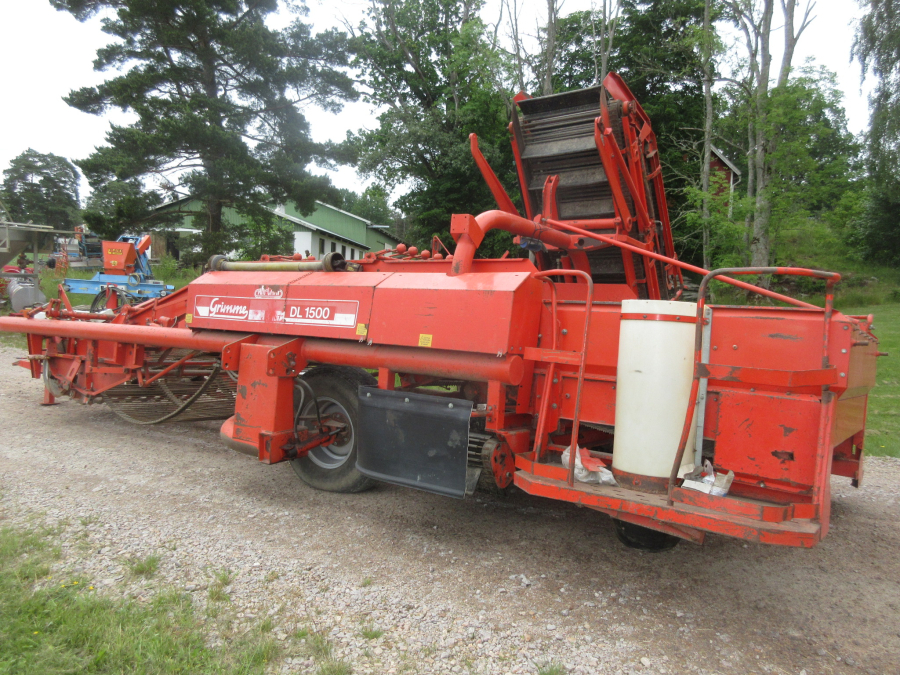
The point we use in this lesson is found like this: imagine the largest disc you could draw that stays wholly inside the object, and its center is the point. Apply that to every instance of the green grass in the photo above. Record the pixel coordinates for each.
(883, 418)
(52, 626)
(221, 580)
(815, 246)
(318, 646)
(371, 633)
(143, 567)
(334, 667)
(552, 668)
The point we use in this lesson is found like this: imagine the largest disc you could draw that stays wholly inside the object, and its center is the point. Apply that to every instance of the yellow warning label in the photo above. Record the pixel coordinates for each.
(361, 329)
(188, 318)
(424, 340)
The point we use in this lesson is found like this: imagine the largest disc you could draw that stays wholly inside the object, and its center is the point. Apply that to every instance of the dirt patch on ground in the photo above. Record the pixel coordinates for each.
(482, 585)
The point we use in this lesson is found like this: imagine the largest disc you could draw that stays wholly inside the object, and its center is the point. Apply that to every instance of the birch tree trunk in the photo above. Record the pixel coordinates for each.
(760, 244)
(550, 47)
(706, 54)
(512, 12)
(612, 9)
(759, 239)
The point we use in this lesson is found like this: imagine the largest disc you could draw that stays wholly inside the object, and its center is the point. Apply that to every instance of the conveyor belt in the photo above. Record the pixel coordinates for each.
(555, 135)
(205, 395)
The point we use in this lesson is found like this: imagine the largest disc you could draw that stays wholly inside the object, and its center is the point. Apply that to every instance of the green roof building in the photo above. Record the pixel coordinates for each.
(326, 229)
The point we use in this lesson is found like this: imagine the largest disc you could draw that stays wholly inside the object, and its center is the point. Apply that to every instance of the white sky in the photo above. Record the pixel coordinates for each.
(46, 53)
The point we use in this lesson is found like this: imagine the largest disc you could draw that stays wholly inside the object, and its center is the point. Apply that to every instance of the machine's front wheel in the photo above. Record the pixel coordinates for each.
(643, 538)
(333, 467)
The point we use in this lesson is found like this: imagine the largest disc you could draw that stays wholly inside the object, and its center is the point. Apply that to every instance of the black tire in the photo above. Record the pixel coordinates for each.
(122, 298)
(643, 538)
(333, 468)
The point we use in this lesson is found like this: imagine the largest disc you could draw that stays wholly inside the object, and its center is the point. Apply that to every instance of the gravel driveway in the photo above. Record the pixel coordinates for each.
(484, 585)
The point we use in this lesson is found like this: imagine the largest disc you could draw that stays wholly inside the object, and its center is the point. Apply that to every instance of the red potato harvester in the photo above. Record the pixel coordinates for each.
(449, 373)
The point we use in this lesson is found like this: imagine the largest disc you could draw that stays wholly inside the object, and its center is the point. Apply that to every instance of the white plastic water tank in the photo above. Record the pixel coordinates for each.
(653, 383)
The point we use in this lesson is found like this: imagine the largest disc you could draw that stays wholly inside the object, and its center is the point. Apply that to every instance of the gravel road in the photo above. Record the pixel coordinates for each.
(484, 585)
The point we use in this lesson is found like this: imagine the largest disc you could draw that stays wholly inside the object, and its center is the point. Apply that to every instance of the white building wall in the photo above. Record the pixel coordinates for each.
(314, 241)
(303, 241)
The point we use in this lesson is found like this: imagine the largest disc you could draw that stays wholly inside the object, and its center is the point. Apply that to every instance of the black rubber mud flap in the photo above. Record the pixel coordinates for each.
(414, 440)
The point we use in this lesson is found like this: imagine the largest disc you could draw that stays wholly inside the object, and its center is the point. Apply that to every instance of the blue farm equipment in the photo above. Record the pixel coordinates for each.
(126, 277)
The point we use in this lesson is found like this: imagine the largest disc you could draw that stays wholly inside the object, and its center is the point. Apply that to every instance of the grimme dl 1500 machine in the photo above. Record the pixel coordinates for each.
(451, 373)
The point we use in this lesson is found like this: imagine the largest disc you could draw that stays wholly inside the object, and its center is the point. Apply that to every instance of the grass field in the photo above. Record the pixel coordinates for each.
(883, 421)
(53, 626)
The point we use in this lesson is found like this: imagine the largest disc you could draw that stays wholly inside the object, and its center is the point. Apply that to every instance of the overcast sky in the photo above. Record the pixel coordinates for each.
(46, 53)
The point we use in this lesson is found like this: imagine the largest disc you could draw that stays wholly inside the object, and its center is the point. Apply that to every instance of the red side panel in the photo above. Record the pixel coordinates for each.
(491, 313)
(314, 304)
(768, 436)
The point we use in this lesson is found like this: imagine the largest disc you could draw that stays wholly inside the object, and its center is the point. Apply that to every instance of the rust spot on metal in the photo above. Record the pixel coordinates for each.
(787, 430)
(242, 391)
(783, 455)
(783, 336)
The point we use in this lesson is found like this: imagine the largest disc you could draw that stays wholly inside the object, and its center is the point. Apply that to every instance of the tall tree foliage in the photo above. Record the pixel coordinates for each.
(654, 50)
(431, 66)
(42, 188)
(877, 48)
(754, 18)
(372, 204)
(812, 159)
(114, 207)
(216, 94)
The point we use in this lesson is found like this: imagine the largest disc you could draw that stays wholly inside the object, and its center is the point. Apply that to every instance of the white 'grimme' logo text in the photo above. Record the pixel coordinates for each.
(266, 292)
(219, 308)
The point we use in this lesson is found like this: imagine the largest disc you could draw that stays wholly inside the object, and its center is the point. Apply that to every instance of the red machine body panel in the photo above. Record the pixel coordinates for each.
(753, 442)
(315, 304)
(443, 312)
(412, 309)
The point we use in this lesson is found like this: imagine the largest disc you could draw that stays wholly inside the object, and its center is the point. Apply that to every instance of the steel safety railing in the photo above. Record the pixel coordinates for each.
(589, 283)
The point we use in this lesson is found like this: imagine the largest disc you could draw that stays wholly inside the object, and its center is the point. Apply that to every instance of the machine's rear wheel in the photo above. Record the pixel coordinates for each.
(643, 538)
(333, 467)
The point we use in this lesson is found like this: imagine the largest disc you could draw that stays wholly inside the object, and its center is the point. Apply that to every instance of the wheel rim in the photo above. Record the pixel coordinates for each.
(334, 455)
(54, 386)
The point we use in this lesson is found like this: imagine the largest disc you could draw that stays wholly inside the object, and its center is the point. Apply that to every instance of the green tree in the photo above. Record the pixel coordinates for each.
(813, 156)
(116, 206)
(755, 21)
(654, 50)
(216, 93)
(372, 204)
(431, 65)
(42, 189)
(812, 160)
(877, 48)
